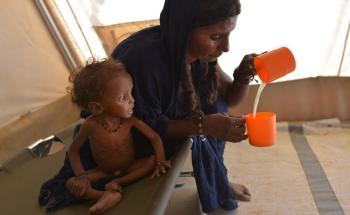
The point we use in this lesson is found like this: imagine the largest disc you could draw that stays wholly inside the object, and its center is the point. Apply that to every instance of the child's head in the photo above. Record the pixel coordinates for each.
(101, 85)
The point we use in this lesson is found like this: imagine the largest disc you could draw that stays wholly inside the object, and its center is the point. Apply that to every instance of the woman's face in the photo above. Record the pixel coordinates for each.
(207, 43)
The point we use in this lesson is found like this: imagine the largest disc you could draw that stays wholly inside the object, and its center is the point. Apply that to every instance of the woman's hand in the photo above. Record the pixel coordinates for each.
(78, 186)
(225, 127)
(245, 72)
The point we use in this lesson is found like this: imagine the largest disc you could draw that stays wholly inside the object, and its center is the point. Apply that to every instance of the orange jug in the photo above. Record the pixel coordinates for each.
(274, 64)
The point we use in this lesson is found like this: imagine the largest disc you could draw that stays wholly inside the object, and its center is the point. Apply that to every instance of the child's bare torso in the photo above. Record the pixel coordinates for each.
(112, 151)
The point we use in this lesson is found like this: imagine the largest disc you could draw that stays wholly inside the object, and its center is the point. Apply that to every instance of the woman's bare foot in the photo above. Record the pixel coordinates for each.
(240, 192)
(107, 201)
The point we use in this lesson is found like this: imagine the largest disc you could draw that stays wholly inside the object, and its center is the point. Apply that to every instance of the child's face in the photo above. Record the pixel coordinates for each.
(117, 100)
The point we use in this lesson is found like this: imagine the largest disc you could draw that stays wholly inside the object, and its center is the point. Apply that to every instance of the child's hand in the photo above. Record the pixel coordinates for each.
(114, 186)
(161, 168)
(78, 186)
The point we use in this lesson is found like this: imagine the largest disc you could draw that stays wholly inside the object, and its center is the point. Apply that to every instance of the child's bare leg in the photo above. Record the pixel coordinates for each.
(77, 185)
(97, 174)
(104, 200)
(137, 170)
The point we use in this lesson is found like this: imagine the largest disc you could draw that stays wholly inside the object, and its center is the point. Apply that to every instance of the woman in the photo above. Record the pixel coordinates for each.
(180, 90)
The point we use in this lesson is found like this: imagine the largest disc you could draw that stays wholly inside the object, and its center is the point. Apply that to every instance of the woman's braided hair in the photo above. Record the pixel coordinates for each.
(209, 12)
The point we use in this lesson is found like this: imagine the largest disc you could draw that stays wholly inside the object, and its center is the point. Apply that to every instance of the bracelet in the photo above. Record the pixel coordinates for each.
(198, 121)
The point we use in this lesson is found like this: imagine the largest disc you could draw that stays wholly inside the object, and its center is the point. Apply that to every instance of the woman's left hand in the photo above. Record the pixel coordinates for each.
(225, 127)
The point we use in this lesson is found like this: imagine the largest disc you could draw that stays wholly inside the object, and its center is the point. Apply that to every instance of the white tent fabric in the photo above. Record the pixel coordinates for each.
(33, 72)
(314, 30)
(34, 77)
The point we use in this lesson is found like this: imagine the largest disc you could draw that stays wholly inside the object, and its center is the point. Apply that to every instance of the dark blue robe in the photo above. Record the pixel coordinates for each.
(155, 59)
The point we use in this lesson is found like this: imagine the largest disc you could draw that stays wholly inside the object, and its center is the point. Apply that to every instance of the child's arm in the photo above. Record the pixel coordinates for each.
(80, 183)
(74, 149)
(161, 163)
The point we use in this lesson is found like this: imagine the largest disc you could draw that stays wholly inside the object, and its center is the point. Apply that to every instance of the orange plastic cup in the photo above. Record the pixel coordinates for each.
(261, 129)
(274, 64)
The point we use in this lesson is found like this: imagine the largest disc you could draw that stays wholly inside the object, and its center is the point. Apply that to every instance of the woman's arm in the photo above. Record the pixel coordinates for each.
(236, 91)
(233, 91)
(218, 125)
(180, 129)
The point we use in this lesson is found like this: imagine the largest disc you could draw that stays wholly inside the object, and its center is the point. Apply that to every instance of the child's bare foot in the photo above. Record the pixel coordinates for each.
(107, 201)
(114, 186)
(240, 192)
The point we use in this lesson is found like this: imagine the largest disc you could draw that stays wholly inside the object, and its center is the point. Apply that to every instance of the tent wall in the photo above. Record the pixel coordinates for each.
(111, 35)
(297, 100)
(302, 100)
(32, 71)
(34, 76)
(46, 121)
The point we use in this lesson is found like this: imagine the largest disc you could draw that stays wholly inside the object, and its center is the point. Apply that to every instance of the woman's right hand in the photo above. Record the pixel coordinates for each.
(245, 72)
(225, 127)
